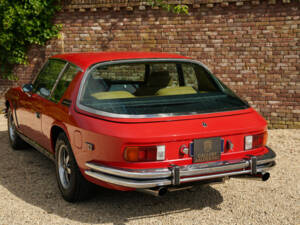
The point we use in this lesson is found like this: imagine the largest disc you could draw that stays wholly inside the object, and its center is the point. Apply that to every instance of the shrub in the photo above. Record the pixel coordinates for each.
(22, 23)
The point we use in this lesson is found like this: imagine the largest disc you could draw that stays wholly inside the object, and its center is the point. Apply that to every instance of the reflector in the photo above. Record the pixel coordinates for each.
(256, 141)
(248, 142)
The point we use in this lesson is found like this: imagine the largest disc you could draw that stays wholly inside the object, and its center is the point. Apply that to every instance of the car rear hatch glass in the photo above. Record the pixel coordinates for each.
(155, 89)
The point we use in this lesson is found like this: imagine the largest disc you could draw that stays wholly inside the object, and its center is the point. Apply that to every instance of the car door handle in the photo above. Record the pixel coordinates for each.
(38, 115)
(28, 94)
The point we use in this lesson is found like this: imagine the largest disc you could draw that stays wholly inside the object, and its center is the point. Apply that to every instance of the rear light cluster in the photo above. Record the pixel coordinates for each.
(144, 153)
(256, 141)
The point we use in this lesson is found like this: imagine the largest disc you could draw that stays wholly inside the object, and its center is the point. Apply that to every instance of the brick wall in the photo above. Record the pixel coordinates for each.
(253, 46)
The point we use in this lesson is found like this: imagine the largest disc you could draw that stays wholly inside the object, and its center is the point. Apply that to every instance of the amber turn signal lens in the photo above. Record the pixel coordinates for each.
(132, 154)
(265, 138)
(144, 153)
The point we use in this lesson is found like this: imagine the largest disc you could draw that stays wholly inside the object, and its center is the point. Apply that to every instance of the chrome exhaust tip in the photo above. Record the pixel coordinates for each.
(263, 176)
(162, 191)
(155, 192)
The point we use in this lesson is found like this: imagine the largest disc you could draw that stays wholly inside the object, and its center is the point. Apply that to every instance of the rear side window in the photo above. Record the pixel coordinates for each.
(198, 78)
(190, 76)
(204, 80)
(117, 73)
(47, 77)
(64, 82)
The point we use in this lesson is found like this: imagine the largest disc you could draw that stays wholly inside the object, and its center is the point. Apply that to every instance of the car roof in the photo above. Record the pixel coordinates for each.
(86, 59)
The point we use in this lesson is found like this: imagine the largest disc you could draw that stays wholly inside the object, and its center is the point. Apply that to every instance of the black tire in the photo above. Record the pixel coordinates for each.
(72, 185)
(16, 142)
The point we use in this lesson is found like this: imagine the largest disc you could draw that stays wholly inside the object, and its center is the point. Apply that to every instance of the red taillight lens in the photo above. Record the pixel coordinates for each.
(256, 141)
(259, 140)
(144, 153)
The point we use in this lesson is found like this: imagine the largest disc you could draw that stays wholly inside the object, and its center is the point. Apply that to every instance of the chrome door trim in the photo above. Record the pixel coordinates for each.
(58, 78)
(40, 70)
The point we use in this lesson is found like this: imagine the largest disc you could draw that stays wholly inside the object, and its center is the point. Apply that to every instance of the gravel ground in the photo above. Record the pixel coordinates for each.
(29, 194)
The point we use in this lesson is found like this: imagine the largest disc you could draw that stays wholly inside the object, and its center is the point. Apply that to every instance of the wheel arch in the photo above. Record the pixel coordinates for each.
(54, 133)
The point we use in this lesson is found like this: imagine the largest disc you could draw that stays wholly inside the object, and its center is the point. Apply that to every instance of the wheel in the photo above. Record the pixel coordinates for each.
(15, 141)
(72, 184)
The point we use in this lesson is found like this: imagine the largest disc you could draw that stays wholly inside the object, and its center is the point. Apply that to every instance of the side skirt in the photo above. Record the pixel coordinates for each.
(42, 150)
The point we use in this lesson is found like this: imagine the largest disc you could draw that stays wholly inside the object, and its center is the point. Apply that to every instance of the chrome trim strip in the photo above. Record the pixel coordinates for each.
(266, 158)
(40, 70)
(136, 174)
(190, 170)
(158, 182)
(127, 182)
(149, 178)
(190, 179)
(58, 78)
(42, 150)
(115, 115)
(66, 102)
(264, 161)
(223, 167)
(235, 173)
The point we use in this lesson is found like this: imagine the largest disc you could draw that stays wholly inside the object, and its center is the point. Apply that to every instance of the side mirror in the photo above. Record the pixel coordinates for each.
(44, 92)
(27, 87)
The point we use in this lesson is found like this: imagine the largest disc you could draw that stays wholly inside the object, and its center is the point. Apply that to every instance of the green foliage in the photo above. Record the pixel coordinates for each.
(178, 9)
(22, 23)
(26, 22)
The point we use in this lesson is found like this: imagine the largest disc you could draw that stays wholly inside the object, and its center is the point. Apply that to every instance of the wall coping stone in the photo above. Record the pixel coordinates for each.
(93, 5)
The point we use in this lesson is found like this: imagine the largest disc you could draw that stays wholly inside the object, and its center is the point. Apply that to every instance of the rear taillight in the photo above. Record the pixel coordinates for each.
(144, 153)
(256, 141)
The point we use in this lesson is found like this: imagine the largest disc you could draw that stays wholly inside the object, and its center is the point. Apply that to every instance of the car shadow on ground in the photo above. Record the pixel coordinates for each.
(30, 176)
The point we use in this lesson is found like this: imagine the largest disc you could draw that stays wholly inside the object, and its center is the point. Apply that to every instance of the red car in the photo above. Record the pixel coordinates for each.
(150, 122)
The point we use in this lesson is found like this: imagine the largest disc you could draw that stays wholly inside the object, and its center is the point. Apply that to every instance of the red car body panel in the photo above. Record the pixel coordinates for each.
(111, 135)
(85, 60)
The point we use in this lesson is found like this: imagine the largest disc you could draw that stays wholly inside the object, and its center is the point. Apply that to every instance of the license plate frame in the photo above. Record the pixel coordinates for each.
(207, 149)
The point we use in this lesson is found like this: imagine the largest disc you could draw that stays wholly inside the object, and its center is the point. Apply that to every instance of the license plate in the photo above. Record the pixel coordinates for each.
(207, 149)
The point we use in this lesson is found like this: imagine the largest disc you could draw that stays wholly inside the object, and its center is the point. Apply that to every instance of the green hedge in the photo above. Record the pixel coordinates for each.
(22, 23)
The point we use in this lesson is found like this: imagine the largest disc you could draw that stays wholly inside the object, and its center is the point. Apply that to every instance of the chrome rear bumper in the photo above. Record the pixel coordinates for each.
(175, 175)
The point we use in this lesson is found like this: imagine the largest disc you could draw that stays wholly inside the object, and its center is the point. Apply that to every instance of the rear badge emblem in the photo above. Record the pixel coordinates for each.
(204, 124)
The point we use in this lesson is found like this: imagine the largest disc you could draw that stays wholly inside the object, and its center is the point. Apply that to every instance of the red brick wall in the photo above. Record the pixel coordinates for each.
(253, 46)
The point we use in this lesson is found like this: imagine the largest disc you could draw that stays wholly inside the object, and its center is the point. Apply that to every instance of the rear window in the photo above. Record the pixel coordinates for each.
(155, 88)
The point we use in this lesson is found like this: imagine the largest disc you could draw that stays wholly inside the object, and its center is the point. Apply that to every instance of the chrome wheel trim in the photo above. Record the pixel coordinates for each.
(11, 128)
(64, 169)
